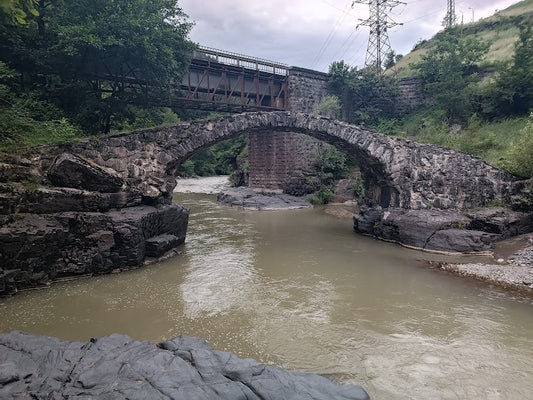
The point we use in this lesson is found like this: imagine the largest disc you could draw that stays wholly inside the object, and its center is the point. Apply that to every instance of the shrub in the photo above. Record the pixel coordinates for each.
(519, 158)
(323, 196)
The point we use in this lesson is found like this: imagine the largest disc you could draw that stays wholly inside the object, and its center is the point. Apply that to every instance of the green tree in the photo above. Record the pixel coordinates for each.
(329, 106)
(514, 93)
(390, 60)
(365, 96)
(338, 77)
(447, 69)
(93, 58)
(18, 10)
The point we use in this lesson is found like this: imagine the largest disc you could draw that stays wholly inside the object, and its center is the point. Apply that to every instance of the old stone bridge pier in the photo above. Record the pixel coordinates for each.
(104, 204)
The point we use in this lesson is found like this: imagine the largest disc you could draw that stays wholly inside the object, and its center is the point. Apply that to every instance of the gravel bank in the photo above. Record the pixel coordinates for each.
(512, 268)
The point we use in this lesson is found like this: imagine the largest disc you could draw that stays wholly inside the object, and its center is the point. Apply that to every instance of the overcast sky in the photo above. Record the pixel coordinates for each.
(314, 33)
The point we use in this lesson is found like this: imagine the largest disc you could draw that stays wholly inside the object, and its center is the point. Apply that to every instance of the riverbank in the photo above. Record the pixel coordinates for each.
(512, 268)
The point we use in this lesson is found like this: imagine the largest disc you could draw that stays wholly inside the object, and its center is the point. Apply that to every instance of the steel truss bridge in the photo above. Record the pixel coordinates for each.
(216, 80)
(225, 81)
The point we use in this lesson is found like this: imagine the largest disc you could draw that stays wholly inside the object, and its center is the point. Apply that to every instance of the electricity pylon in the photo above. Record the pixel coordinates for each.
(450, 18)
(378, 42)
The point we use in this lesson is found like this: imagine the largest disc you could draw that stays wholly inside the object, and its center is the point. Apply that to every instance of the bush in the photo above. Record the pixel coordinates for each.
(323, 196)
(519, 158)
(329, 106)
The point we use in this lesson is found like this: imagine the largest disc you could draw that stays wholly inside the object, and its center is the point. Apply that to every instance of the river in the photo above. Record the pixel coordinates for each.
(299, 289)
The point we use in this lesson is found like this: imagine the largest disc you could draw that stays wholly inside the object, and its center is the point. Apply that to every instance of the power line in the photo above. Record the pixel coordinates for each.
(329, 38)
(378, 42)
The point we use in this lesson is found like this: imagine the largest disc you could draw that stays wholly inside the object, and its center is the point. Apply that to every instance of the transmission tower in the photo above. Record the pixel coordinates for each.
(450, 18)
(378, 42)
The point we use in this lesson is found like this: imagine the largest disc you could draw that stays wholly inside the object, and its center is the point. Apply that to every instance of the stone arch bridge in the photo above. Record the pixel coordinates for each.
(397, 172)
(104, 204)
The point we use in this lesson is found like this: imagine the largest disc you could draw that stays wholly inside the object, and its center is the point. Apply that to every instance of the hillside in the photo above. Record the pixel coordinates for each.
(500, 30)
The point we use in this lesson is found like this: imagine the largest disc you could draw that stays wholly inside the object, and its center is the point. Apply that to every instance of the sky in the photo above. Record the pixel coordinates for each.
(314, 33)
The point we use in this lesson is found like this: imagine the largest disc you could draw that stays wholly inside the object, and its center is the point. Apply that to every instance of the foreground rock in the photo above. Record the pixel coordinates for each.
(443, 230)
(117, 367)
(256, 200)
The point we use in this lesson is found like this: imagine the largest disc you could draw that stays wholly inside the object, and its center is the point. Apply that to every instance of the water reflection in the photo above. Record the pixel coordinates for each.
(221, 276)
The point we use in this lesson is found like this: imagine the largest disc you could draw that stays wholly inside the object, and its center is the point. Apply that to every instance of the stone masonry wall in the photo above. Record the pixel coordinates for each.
(411, 94)
(277, 157)
(306, 89)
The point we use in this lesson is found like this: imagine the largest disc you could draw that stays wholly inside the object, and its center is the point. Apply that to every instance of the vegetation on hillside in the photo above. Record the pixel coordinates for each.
(472, 105)
(88, 66)
(365, 97)
(500, 31)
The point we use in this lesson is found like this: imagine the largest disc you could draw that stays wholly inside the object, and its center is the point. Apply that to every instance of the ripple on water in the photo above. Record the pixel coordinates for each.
(300, 289)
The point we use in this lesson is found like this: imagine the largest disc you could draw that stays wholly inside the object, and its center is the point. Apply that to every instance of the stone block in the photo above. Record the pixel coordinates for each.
(73, 171)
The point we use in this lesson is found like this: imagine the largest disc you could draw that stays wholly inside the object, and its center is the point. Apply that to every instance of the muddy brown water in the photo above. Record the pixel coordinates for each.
(299, 289)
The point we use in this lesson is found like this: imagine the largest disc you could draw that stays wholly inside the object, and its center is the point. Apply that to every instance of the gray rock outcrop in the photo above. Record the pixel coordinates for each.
(69, 170)
(38, 248)
(63, 215)
(443, 230)
(257, 200)
(118, 367)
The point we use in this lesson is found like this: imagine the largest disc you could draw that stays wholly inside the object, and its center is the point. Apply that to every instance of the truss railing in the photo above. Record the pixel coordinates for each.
(241, 60)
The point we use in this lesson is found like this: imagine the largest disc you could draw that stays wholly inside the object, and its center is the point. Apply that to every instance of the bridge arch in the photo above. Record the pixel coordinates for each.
(397, 172)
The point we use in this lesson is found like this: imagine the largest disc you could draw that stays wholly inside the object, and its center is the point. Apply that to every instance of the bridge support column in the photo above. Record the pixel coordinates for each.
(274, 158)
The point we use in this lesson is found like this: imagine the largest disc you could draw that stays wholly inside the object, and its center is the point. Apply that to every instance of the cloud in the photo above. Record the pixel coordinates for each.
(314, 33)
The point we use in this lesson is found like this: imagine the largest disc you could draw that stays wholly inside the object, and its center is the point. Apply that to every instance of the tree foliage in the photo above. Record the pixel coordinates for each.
(219, 159)
(514, 89)
(329, 106)
(365, 96)
(18, 10)
(446, 71)
(84, 55)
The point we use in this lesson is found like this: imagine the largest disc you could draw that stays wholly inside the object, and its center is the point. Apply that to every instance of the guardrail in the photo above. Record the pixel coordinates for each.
(241, 60)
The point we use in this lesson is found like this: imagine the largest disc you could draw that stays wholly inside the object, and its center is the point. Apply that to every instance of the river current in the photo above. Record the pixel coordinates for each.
(298, 288)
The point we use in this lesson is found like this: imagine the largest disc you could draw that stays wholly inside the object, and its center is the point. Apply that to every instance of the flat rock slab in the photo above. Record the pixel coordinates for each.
(118, 367)
(253, 200)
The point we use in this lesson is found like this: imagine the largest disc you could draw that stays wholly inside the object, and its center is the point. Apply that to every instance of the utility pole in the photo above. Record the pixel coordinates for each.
(378, 42)
(450, 18)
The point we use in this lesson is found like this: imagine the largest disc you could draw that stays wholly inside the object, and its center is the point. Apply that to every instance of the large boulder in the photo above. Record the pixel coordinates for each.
(118, 367)
(73, 171)
(443, 230)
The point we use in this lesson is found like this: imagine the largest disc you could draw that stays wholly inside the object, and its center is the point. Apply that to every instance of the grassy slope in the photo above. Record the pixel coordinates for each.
(490, 141)
(500, 30)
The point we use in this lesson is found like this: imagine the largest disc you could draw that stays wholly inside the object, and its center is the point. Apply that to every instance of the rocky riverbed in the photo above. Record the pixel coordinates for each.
(118, 367)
